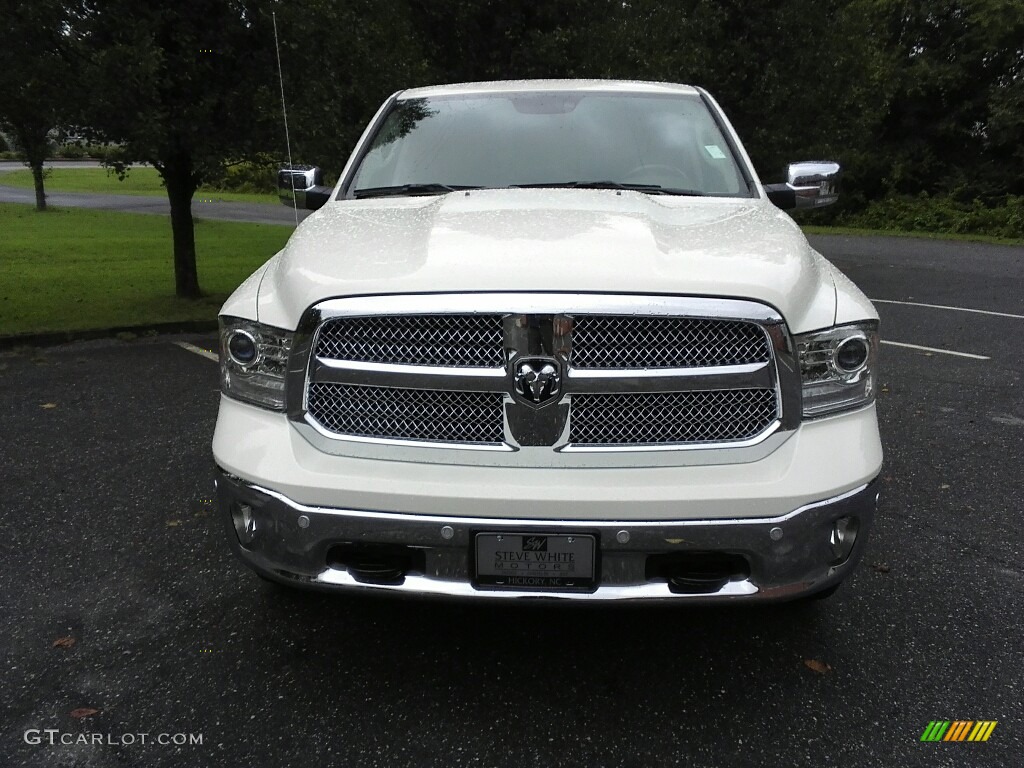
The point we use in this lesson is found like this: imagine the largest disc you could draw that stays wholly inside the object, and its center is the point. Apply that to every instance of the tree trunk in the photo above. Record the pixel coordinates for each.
(31, 136)
(37, 178)
(181, 186)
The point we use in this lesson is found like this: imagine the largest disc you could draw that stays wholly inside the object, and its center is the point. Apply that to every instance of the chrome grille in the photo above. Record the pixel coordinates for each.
(637, 372)
(613, 341)
(436, 340)
(671, 417)
(407, 414)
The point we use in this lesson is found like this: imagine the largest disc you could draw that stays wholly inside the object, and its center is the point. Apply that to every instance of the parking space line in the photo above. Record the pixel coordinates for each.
(197, 350)
(935, 350)
(943, 306)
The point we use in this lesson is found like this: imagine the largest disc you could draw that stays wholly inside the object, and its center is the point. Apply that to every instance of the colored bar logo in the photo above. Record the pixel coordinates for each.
(959, 730)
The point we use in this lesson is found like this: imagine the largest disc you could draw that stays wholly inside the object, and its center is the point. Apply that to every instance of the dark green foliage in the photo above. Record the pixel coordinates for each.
(911, 96)
(944, 213)
(466, 40)
(340, 61)
(955, 96)
(36, 77)
(183, 86)
(72, 152)
(257, 176)
(798, 79)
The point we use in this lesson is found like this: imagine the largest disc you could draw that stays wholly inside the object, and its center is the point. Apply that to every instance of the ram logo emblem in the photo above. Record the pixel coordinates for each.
(537, 380)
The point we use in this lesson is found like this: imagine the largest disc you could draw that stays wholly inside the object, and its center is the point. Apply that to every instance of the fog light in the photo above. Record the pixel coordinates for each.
(245, 523)
(844, 534)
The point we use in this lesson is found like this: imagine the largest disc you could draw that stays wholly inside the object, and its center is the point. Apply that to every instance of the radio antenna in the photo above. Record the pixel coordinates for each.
(284, 111)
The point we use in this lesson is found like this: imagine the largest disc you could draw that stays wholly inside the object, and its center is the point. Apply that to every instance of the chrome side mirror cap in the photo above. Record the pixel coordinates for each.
(809, 184)
(302, 186)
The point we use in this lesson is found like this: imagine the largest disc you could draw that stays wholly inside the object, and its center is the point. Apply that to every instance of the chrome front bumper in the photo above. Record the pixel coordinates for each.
(784, 557)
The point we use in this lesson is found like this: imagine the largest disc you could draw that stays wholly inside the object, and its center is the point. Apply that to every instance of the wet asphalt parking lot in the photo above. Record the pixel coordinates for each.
(110, 538)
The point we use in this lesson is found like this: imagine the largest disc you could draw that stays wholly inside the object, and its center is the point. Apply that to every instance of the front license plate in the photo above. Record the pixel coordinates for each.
(529, 561)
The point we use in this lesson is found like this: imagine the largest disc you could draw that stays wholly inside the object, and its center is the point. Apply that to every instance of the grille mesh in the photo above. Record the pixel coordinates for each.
(612, 341)
(408, 414)
(441, 340)
(671, 417)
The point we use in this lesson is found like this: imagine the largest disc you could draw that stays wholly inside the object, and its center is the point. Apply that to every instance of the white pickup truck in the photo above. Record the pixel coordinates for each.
(551, 339)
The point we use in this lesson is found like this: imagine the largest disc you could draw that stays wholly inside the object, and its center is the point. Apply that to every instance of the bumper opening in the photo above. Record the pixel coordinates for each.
(377, 563)
(696, 573)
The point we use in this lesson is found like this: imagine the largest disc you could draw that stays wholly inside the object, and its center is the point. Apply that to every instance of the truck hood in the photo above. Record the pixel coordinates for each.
(550, 240)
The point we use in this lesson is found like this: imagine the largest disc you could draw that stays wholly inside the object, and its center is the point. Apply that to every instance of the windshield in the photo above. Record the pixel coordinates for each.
(656, 143)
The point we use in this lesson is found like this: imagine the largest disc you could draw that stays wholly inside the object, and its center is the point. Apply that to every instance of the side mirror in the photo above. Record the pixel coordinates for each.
(302, 186)
(810, 184)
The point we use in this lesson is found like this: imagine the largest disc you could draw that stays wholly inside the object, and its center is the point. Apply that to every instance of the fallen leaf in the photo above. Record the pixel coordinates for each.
(881, 567)
(63, 642)
(817, 666)
(48, 406)
(81, 712)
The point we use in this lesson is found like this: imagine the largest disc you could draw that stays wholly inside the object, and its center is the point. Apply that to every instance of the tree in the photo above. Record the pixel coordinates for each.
(955, 121)
(35, 78)
(340, 62)
(797, 78)
(183, 86)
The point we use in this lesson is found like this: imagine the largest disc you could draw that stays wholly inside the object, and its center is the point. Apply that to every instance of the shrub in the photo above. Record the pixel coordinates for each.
(924, 213)
(71, 151)
(253, 176)
(942, 214)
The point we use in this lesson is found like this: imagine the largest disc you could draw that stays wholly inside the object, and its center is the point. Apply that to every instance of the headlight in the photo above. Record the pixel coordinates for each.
(838, 368)
(253, 362)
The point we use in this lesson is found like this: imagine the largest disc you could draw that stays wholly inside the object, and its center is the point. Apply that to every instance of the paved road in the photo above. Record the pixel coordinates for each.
(110, 538)
(12, 165)
(224, 211)
(202, 207)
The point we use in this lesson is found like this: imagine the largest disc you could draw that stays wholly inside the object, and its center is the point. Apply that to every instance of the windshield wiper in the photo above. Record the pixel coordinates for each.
(680, 192)
(652, 189)
(409, 189)
(440, 189)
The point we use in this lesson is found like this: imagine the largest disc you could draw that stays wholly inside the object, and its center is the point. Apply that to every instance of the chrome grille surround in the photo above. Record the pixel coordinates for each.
(609, 341)
(650, 418)
(439, 340)
(450, 413)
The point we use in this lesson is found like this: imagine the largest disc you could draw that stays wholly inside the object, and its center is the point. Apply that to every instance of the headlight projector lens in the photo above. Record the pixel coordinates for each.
(242, 348)
(851, 355)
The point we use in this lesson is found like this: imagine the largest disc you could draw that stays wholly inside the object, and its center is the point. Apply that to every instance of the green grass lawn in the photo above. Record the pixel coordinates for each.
(815, 229)
(77, 269)
(141, 180)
